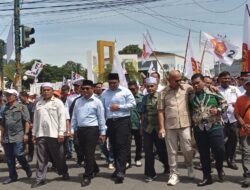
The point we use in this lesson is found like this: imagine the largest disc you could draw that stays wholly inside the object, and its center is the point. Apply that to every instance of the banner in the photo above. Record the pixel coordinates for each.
(245, 68)
(220, 48)
(10, 42)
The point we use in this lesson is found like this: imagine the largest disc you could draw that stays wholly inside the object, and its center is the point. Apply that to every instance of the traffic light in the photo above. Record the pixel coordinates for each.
(26, 39)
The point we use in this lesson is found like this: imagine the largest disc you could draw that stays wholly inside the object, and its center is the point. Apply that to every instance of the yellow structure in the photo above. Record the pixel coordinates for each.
(100, 49)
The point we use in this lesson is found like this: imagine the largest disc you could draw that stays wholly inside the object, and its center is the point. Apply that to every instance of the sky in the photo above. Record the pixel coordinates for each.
(68, 35)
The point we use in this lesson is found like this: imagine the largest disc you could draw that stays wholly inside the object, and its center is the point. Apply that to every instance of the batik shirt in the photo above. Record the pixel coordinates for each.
(201, 103)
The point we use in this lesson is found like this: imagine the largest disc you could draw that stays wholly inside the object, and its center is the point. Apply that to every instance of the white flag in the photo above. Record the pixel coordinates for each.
(117, 68)
(191, 65)
(221, 49)
(147, 49)
(10, 44)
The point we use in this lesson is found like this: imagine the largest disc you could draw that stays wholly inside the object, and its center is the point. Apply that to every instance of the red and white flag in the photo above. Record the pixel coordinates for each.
(222, 50)
(245, 68)
(191, 64)
(37, 67)
(147, 48)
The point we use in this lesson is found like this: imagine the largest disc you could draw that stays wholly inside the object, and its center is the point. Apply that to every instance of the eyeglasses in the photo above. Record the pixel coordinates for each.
(85, 88)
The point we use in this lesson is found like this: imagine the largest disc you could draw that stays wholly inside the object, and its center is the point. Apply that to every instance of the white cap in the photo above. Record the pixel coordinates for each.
(151, 80)
(11, 91)
(47, 84)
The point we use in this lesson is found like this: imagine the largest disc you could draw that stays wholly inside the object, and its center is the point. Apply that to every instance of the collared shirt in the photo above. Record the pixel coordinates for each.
(174, 103)
(14, 118)
(149, 111)
(231, 93)
(88, 113)
(201, 103)
(121, 96)
(136, 112)
(49, 118)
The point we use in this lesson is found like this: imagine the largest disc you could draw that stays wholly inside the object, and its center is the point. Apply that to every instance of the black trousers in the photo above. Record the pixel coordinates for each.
(136, 133)
(46, 147)
(213, 139)
(231, 132)
(30, 144)
(88, 137)
(119, 132)
(151, 139)
(79, 153)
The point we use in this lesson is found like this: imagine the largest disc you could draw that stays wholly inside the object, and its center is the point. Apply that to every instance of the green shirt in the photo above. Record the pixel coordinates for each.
(201, 103)
(149, 111)
(14, 118)
(136, 112)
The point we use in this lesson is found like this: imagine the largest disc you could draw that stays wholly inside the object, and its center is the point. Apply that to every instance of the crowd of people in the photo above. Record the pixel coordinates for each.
(212, 112)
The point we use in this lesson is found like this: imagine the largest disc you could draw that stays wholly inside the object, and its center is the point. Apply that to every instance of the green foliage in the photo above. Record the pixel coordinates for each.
(131, 49)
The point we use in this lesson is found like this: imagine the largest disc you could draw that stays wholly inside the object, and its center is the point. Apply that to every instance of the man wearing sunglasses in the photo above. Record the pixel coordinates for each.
(174, 121)
(89, 121)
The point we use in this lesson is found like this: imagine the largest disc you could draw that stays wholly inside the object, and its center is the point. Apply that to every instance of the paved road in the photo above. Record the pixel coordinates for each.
(134, 179)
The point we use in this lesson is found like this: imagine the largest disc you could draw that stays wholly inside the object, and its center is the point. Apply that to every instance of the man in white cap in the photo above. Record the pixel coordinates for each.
(48, 130)
(150, 125)
(14, 131)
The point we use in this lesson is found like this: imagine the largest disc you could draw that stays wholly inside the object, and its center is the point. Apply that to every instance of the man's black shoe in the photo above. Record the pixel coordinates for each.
(65, 176)
(221, 176)
(7, 181)
(119, 180)
(37, 184)
(29, 173)
(97, 170)
(85, 182)
(205, 181)
(246, 183)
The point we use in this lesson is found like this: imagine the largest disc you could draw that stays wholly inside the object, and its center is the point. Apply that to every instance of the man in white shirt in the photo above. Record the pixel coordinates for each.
(231, 133)
(49, 126)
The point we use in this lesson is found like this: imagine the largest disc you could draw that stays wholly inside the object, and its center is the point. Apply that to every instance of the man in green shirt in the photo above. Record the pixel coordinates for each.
(206, 110)
(136, 123)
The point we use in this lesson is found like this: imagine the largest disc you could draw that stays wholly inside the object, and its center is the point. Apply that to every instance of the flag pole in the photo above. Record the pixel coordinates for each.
(203, 55)
(184, 67)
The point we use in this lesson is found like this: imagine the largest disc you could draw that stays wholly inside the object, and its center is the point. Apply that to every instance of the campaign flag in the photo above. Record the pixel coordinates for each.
(220, 48)
(117, 68)
(245, 68)
(36, 69)
(147, 48)
(191, 64)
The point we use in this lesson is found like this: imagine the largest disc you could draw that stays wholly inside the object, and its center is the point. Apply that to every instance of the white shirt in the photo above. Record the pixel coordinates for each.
(230, 94)
(49, 118)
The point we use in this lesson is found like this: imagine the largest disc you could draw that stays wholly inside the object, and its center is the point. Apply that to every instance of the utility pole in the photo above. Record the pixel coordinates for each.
(18, 78)
(2, 53)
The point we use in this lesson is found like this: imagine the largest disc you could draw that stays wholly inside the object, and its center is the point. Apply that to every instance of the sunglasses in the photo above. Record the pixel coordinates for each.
(132, 89)
(178, 80)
